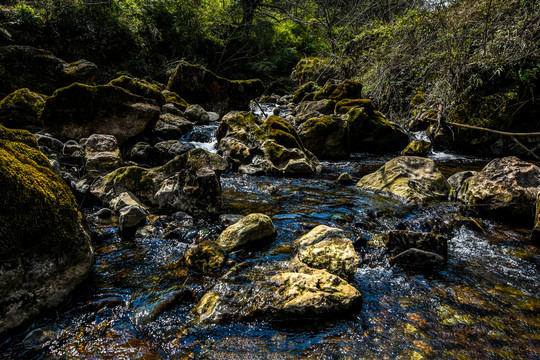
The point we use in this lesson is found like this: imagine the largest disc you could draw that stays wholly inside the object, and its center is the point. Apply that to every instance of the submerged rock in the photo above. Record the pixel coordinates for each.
(283, 292)
(200, 86)
(417, 258)
(102, 155)
(330, 249)
(79, 111)
(39, 70)
(416, 249)
(505, 189)
(269, 147)
(345, 179)
(189, 182)
(414, 179)
(45, 250)
(251, 230)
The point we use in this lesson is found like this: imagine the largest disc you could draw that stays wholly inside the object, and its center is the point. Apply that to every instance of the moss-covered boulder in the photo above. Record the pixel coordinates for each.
(21, 108)
(282, 291)
(39, 70)
(206, 258)
(334, 90)
(305, 89)
(45, 251)
(417, 148)
(140, 87)
(200, 86)
(505, 189)
(343, 106)
(371, 132)
(269, 147)
(327, 137)
(251, 230)
(79, 110)
(329, 249)
(175, 99)
(190, 183)
(414, 179)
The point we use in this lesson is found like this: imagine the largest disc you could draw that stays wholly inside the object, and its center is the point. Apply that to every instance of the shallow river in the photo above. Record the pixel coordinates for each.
(483, 304)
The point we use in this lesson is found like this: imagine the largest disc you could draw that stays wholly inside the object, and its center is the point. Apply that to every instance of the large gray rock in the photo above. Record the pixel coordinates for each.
(506, 189)
(45, 250)
(189, 183)
(102, 155)
(79, 111)
(330, 249)
(414, 179)
(251, 230)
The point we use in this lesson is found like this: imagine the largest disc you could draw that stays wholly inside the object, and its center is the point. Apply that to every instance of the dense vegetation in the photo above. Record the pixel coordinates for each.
(443, 54)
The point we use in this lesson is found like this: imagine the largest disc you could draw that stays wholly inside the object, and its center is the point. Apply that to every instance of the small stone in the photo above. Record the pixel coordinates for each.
(170, 108)
(229, 219)
(345, 179)
(197, 114)
(213, 116)
(131, 217)
(104, 213)
(417, 148)
(141, 153)
(125, 199)
(71, 146)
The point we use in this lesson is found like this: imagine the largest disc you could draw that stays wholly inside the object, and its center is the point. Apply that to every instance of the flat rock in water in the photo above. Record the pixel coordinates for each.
(252, 229)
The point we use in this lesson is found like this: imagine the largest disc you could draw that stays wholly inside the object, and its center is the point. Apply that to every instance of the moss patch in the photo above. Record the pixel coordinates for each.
(343, 106)
(21, 108)
(283, 132)
(21, 136)
(175, 99)
(140, 87)
(348, 89)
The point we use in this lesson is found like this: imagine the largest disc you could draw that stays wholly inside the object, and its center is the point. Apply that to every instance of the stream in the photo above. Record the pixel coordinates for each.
(483, 304)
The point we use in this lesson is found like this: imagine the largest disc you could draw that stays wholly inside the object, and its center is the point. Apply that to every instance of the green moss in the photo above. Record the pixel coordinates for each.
(135, 178)
(174, 98)
(21, 108)
(318, 126)
(348, 89)
(275, 153)
(22, 136)
(304, 90)
(139, 87)
(39, 212)
(343, 106)
(283, 132)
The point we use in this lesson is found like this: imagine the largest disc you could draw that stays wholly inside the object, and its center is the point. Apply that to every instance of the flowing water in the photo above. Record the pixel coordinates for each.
(483, 304)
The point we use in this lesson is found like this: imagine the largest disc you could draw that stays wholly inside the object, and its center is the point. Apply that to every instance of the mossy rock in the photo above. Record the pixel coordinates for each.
(282, 132)
(326, 137)
(200, 86)
(417, 148)
(21, 108)
(39, 70)
(175, 99)
(371, 132)
(140, 87)
(20, 136)
(347, 89)
(343, 106)
(304, 90)
(79, 110)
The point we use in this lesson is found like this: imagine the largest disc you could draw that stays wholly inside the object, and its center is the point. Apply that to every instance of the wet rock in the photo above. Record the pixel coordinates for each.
(200, 86)
(55, 166)
(272, 147)
(71, 146)
(167, 150)
(131, 217)
(79, 111)
(213, 116)
(326, 137)
(39, 70)
(165, 303)
(505, 189)
(457, 180)
(40, 337)
(40, 215)
(345, 179)
(125, 199)
(104, 213)
(170, 108)
(398, 241)
(140, 87)
(197, 115)
(189, 182)
(286, 293)
(330, 249)
(417, 148)
(171, 126)
(416, 258)
(229, 219)
(370, 132)
(102, 155)
(21, 108)
(207, 258)
(141, 153)
(251, 230)
(50, 142)
(414, 179)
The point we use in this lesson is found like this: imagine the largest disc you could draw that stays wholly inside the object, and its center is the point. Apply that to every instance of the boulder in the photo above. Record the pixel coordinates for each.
(414, 179)
(289, 292)
(130, 218)
(21, 108)
(45, 250)
(329, 249)
(140, 87)
(252, 230)
(417, 148)
(79, 111)
(123, 200)
(457, 180)
(190, 183)
(214, 93)
(272, 147)
(343, 106)
(141, 153)
(207, 258)
(326, 137)
(304, 90)
(197, 114)
(369, 131)
(167, 150)
(172, 127)
(505, 189)
(102, 155)
(334, 90)
(39, 70)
